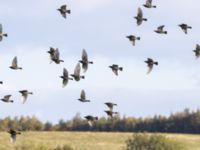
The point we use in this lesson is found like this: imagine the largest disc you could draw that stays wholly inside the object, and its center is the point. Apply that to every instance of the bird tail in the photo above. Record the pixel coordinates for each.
(145, 19)
(6, 35)
(20, 68)
(70, 78)
(115, 112)
(121, 68)
(138, 38)
(156, 63)
(83, 77)
(87, 100)
(154, 6)
(69, 11)
(115, 104)
(165, 32)
(189, 27)
(61, 60)
(11, 101)
(30, 93)
(91, 62)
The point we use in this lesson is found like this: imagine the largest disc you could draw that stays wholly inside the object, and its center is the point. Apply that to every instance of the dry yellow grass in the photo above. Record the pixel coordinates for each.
(82, 140)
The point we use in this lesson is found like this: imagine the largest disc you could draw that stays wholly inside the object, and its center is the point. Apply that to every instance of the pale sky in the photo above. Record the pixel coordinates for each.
(100, 27)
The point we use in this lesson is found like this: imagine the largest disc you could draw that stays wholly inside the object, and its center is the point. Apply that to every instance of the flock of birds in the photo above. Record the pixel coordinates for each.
(84, 63)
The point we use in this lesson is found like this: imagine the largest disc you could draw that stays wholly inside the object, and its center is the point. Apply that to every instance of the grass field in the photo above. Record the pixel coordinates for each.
(82, 140)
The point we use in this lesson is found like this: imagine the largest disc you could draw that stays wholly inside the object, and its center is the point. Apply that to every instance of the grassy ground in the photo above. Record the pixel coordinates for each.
(82, 140)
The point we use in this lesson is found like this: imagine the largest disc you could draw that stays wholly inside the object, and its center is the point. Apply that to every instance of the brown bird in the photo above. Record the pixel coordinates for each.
(83, 97)
(65, 77)
(25, 94)
(110, 113)
(115, 69)
(56, 57)
(150, 63)
(13, 135)
(110, 105)
(51, 53)
(197, 51)
(14, 64)
(63, 11)
(91, 120)
(77, 72)
(140, 17)
(148, 4)
(185, 27)
(7, 99)
(2, 34)
(132, 39)
(160, 30)
(85, 61)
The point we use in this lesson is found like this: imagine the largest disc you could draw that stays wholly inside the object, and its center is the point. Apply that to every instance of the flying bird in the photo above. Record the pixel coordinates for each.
(110, 113)
(140, 17)
(7, 99)
(64, 11)
(185, 27)
(1, 82)
(13, 135)
(2, 34)
(91, 120)
(132, 39)
(65, 77)
(51, 53)
(160, 30)
(197, 51)
(148, 4)
(150, 63)
(115, 69)
(56, 57)
(83, 97)
(25, 94)
(14, 64)
(85, 61)
(77, 72)
(110, 105)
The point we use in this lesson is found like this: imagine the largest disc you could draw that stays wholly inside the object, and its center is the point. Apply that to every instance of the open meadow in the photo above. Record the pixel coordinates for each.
(82, 140)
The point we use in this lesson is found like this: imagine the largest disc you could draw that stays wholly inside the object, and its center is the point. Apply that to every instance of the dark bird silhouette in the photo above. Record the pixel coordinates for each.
(148, 4)
(115, 69)
(185, 27)
(110, 113)
(110, 105)
(65, 77)
(160, 30)
(2, 34)
(132, 39)
(85, 61)
(150, 63)
(83, 97)
(140, 17)
(1, 82)
(64, 11)
(91, 120)
(13, 135)
(25, 94)
(77, 72)
(51, 53)
(197, 51)
(7, 99)
(56, 57)
(14, 64)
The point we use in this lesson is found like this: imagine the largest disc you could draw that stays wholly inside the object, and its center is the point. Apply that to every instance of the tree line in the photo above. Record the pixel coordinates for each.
(181, 122)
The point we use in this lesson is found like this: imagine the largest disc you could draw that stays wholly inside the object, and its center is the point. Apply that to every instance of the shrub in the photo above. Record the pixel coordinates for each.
(143, 141)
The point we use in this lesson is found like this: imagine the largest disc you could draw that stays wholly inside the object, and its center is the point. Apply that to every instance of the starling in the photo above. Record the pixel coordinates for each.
(25, 94)
(2, 34)
(132, 39)
(15, 64)
(85, 61)
(185, 27)
(1, 82)
(65, 77)
(13, 134)
(110, 113)
(197, 51)
(63, 11)
(56, 57)
(150, 62)
(76, 74)
(115, 69)
(139, 17)
(91, 120)
(160, 30)
(148, 4)
(110, 105)
(83, 97)
(51, 53)
(7, 99)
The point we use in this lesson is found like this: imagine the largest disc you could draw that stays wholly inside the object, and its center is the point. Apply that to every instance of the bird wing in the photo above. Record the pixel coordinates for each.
(1, 28)
(65, 73)
(7, 97)
(77, 70)
(149, 2)
(149, 59)
(83, 97)
(90, 122)
(140, 14)
(56, 54)
(84, 56)
(64, 15)
(13, 138)
(63, 7)
(197, 47)
(115, 71)
(161, 27)
(150, 67)
(24, 97)
(14, 61)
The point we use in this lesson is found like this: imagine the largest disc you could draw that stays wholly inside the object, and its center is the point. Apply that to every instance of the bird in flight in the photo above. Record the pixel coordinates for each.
(65, 77)
(91, 120)
(115, 69)
(56, 57)
(14, 64)
(7, 99)
(139, 18)
(2, 34)
(148, 4)
(64, 11)
(185, 27)
(13, 135)
(84, 61)
(77, 72)
(197, 51)
(132, 39)
(160, 30)
(110, 105)
(83, 97)
(150, 63)
(110, 113)
(25, 94)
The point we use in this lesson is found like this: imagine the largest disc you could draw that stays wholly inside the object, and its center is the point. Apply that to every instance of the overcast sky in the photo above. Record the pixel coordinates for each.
(100, 27)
